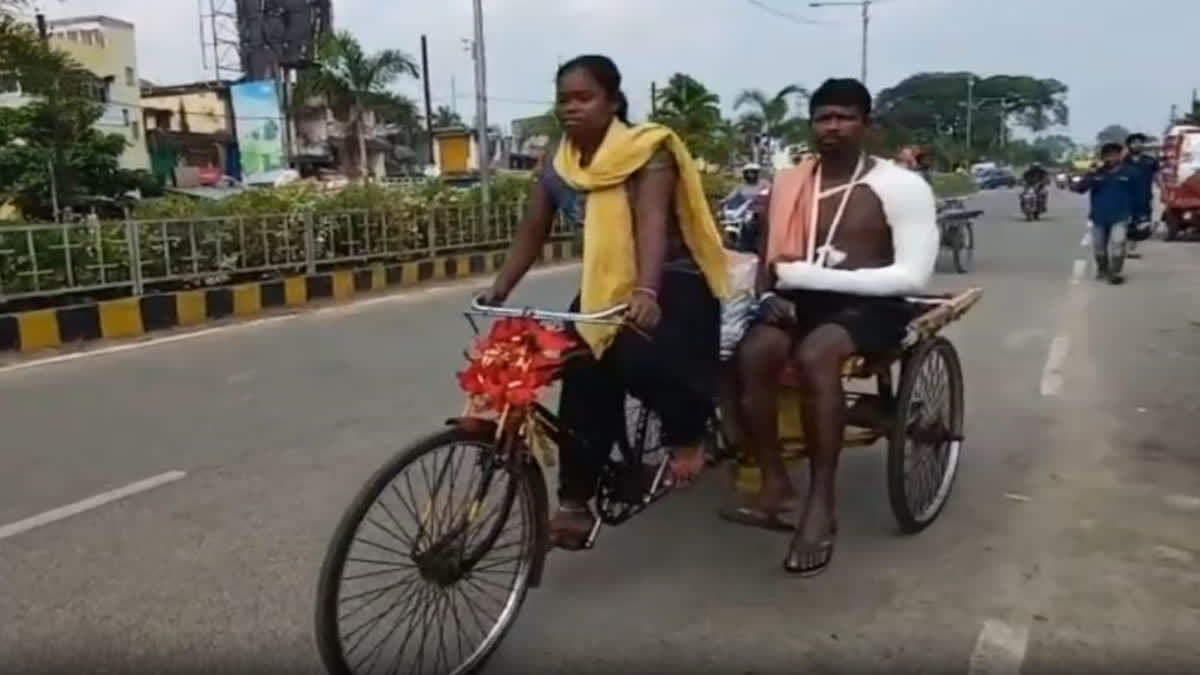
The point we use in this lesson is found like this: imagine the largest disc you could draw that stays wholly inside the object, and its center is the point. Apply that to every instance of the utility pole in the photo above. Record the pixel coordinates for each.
(653, 98)
(865, 6)
(481, 120)
(44, 34)
(428, 100)
(970, 115)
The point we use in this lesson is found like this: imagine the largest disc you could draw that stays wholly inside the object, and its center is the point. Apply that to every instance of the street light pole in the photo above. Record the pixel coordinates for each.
(865, 6)
(481, 120)
(970, 117)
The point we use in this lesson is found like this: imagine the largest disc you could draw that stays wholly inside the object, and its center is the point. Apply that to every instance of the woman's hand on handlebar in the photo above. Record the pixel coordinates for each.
(493, 297)
(644, 311)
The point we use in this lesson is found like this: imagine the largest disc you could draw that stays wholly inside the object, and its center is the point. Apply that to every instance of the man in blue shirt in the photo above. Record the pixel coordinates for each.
(1113, 193)
(1145, 169)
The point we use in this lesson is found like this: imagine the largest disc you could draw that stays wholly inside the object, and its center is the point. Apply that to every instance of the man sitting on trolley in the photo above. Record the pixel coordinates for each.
(849, 235)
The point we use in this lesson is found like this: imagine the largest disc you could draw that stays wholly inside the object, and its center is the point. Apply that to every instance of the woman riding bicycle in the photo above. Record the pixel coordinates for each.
(649, 241)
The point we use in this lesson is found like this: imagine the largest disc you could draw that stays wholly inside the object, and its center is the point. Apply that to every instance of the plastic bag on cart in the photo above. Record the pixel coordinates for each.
(737, 308)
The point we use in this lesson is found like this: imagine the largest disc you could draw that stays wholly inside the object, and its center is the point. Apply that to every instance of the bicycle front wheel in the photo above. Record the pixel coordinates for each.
(428, 567)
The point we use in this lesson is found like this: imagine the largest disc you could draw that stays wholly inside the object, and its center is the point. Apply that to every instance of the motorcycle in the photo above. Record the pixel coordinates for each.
(1033, 203)
(738, 221)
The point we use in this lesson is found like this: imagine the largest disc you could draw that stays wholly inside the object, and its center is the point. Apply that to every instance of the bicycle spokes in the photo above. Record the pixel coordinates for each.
(431, 568)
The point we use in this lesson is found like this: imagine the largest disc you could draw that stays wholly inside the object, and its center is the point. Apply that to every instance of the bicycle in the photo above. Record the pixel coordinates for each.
(512, 446)
(957, 230)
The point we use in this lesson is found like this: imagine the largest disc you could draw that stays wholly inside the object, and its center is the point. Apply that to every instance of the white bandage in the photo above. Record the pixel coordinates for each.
(911, 213)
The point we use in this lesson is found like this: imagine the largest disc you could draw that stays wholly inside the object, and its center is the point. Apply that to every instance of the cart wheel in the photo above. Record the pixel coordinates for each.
(923, 450)
(428, 568)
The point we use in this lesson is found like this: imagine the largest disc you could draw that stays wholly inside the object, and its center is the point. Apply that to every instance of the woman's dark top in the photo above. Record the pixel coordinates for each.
(572, 205)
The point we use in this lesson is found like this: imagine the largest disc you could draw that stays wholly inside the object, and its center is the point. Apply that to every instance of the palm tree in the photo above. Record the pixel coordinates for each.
(12, 7)
(689, 108)
(444, 117)
(351, 81)
(773, 115)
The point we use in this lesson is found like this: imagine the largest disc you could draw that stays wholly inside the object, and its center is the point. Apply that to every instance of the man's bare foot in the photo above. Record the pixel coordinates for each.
(687, 463)
(811, 549)
(570, 526)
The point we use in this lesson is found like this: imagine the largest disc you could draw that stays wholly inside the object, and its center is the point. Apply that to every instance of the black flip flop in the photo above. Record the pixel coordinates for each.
(808, 559)
(754, 516)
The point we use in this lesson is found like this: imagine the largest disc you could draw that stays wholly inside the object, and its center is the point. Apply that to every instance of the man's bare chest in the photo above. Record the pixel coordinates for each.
(861, 219)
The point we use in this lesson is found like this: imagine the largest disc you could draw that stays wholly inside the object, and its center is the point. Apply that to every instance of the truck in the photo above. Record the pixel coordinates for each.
(1180, 180)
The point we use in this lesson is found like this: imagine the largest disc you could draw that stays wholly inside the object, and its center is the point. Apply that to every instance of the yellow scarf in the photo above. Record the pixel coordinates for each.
(609, 250)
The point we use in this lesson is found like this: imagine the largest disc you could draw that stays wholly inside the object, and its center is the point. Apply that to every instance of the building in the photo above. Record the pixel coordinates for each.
(104, 47)
(107, 48)
(190, 133)
(323, 141)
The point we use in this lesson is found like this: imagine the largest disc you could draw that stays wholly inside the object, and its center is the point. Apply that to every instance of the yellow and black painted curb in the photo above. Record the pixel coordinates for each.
(36, 330)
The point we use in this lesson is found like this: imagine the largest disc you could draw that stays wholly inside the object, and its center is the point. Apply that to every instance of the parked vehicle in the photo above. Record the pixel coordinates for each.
(997, 178)
(1181, 180)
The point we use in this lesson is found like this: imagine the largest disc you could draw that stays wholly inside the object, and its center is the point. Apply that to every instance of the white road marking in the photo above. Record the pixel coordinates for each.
(1077, 271)
(95, 501)
(1175, 555)
(1000, 649)
(1184, 502)
(1052, 378)
(404, 296)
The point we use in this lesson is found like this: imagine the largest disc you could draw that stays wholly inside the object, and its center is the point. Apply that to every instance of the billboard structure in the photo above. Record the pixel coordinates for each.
(274, 35)
(259, 128)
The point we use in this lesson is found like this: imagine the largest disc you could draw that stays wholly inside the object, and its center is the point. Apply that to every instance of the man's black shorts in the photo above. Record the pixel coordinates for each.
(875, 325)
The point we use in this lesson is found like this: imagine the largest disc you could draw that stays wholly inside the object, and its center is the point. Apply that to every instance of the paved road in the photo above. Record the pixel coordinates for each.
(1071, 539)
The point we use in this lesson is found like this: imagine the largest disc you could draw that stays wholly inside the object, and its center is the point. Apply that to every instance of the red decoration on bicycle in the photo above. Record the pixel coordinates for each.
(513, 363)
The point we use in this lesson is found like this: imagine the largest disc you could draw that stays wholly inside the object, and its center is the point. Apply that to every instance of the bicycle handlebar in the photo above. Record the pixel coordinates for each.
(610, 315)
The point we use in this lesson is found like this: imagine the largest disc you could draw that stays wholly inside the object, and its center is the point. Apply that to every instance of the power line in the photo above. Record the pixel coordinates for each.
(787, 15)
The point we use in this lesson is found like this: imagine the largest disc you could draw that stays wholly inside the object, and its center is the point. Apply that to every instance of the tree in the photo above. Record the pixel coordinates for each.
(13, 7)
(773, 115)
(351, 82)
(58, 136)
(39, 68)
(929, 107)
(1113, 133)
(445, 117)
(1192, 117)
(53, 134)
(691, 110)
(546, 124)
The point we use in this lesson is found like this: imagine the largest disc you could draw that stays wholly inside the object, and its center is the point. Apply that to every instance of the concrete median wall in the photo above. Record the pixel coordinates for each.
(136, 316)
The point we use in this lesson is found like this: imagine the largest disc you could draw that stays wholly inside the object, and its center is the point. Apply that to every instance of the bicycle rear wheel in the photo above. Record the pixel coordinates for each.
(962, 247)
(417, 543)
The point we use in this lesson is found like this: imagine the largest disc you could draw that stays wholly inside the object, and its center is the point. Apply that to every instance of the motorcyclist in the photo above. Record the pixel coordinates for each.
(752, 186)
(753, 189)
(1036, 178)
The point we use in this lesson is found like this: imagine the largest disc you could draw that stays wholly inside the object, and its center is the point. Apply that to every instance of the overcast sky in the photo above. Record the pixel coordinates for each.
(1125, 61)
